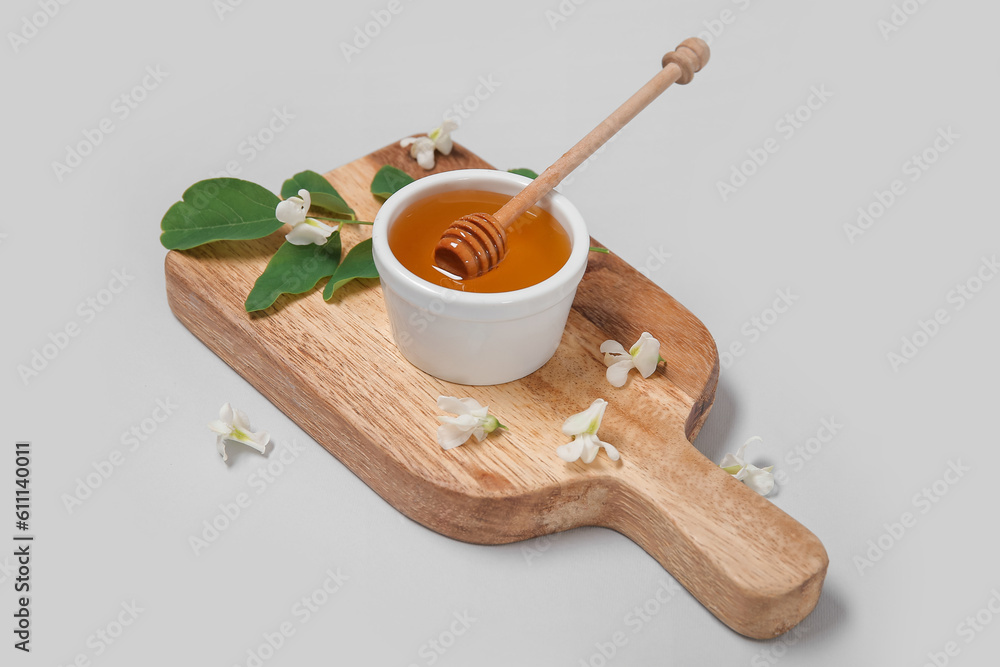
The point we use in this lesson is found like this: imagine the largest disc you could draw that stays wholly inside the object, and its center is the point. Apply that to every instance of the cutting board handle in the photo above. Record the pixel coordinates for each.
(753, 566)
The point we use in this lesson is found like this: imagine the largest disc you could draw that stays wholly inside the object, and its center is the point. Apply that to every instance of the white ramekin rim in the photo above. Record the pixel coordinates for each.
(480, 305)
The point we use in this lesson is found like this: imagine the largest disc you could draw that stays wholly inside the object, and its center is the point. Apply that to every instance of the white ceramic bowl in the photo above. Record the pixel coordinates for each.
(473, 338)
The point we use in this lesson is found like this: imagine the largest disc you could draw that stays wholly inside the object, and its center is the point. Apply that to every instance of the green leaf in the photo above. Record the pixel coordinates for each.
(388, 181)
(294, 269)
(219, 209)
(307, 180)
(524, 172)
(324, 196)
(324, 202)
(358, 264)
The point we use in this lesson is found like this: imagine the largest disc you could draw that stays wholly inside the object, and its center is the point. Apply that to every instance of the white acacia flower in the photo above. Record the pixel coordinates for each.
(760, 480)
(583, 427)
(472, 420)
(305, 230)
(233, 425)
(644, 356)
(439, 139)
(421, 150)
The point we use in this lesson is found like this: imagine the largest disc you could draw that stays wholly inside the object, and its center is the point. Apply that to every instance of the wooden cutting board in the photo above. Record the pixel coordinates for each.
(333, 368)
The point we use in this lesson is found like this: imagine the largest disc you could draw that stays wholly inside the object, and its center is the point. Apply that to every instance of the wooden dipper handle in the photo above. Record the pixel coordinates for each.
(479, 242)
(679, 66)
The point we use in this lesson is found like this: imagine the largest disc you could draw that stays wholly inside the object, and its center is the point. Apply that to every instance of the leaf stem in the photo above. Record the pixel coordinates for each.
(604, 250)
(342, 221)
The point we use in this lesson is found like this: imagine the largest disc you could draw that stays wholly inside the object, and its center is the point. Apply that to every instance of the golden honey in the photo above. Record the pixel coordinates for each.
(537, 245)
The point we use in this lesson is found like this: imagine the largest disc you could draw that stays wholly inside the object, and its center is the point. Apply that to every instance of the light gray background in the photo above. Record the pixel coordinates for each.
(654, 190)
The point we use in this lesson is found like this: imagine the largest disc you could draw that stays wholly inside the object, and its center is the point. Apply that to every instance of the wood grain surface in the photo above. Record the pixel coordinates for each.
(333, 369)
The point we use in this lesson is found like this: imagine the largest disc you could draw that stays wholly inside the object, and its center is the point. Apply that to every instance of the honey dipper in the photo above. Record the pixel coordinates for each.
(476, 243)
